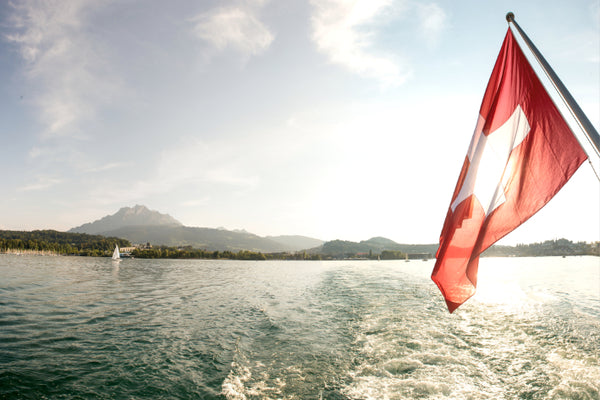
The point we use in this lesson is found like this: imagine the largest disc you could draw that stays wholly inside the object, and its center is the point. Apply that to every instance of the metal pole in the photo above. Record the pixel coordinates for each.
(579, 115)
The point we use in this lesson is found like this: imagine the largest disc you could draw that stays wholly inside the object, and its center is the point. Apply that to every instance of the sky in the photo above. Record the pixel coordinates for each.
(332, 119)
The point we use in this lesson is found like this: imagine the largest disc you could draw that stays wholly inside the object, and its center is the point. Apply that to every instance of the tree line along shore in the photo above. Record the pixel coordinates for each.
(50, 242)
(58, 243)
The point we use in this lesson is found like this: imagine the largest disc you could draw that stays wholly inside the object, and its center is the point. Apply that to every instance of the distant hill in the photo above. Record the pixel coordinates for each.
(200, 238)
(140, 225)
(557, 247)
(340, 248)
(127, 216)
(296, 242)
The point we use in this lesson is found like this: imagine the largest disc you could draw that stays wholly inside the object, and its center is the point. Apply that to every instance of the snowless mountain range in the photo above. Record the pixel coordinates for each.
(139, 224)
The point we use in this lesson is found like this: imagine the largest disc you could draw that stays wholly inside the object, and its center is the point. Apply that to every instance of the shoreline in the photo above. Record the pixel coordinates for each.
(29, 252)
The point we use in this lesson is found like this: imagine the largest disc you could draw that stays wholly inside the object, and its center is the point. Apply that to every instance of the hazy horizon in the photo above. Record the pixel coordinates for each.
(289, 234)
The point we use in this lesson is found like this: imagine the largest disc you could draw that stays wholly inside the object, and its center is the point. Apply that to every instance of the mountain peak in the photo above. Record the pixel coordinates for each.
(135, 210)
(138, 215)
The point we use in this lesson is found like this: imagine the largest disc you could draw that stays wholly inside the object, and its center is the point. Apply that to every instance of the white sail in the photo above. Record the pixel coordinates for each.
(116, 255)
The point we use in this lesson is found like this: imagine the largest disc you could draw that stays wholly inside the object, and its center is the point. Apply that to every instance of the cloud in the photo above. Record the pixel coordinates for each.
(43, 182)
(39, 24)
(233, 27)
(108, 166)
(190, 163)
(196, 202)
(433, 21)
(66, 65)
(344, 31)
(195, 161)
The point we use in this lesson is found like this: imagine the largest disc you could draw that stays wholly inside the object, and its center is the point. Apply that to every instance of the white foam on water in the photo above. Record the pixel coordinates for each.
(242, 384)
(578, 378)
(381, 388)
(489, 350)
(251, 378)
(516, 340)
(234, 386)
(402, 356)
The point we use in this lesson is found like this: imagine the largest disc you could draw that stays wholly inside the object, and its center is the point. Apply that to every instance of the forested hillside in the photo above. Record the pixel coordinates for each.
(60, 242)
(557, 247)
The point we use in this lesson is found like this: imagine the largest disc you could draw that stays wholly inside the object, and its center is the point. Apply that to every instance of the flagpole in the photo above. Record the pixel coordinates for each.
(579, 115)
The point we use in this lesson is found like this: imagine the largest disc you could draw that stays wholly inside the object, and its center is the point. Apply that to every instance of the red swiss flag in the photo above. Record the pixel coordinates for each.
(521, 155)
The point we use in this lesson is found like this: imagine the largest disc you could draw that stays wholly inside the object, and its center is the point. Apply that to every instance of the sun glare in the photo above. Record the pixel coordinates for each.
(495, 285)
(494, 291)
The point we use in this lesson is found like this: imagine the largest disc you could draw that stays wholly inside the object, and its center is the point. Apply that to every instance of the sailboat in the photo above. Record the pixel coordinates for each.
(116, 255)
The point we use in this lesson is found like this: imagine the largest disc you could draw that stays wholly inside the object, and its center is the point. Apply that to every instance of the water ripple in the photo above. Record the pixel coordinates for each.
(83, 328)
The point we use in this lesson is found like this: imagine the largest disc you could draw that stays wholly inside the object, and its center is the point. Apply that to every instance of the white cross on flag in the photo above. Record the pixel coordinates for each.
(521, 155)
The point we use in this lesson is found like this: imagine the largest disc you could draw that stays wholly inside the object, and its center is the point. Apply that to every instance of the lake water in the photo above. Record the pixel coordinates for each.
(87, 328)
